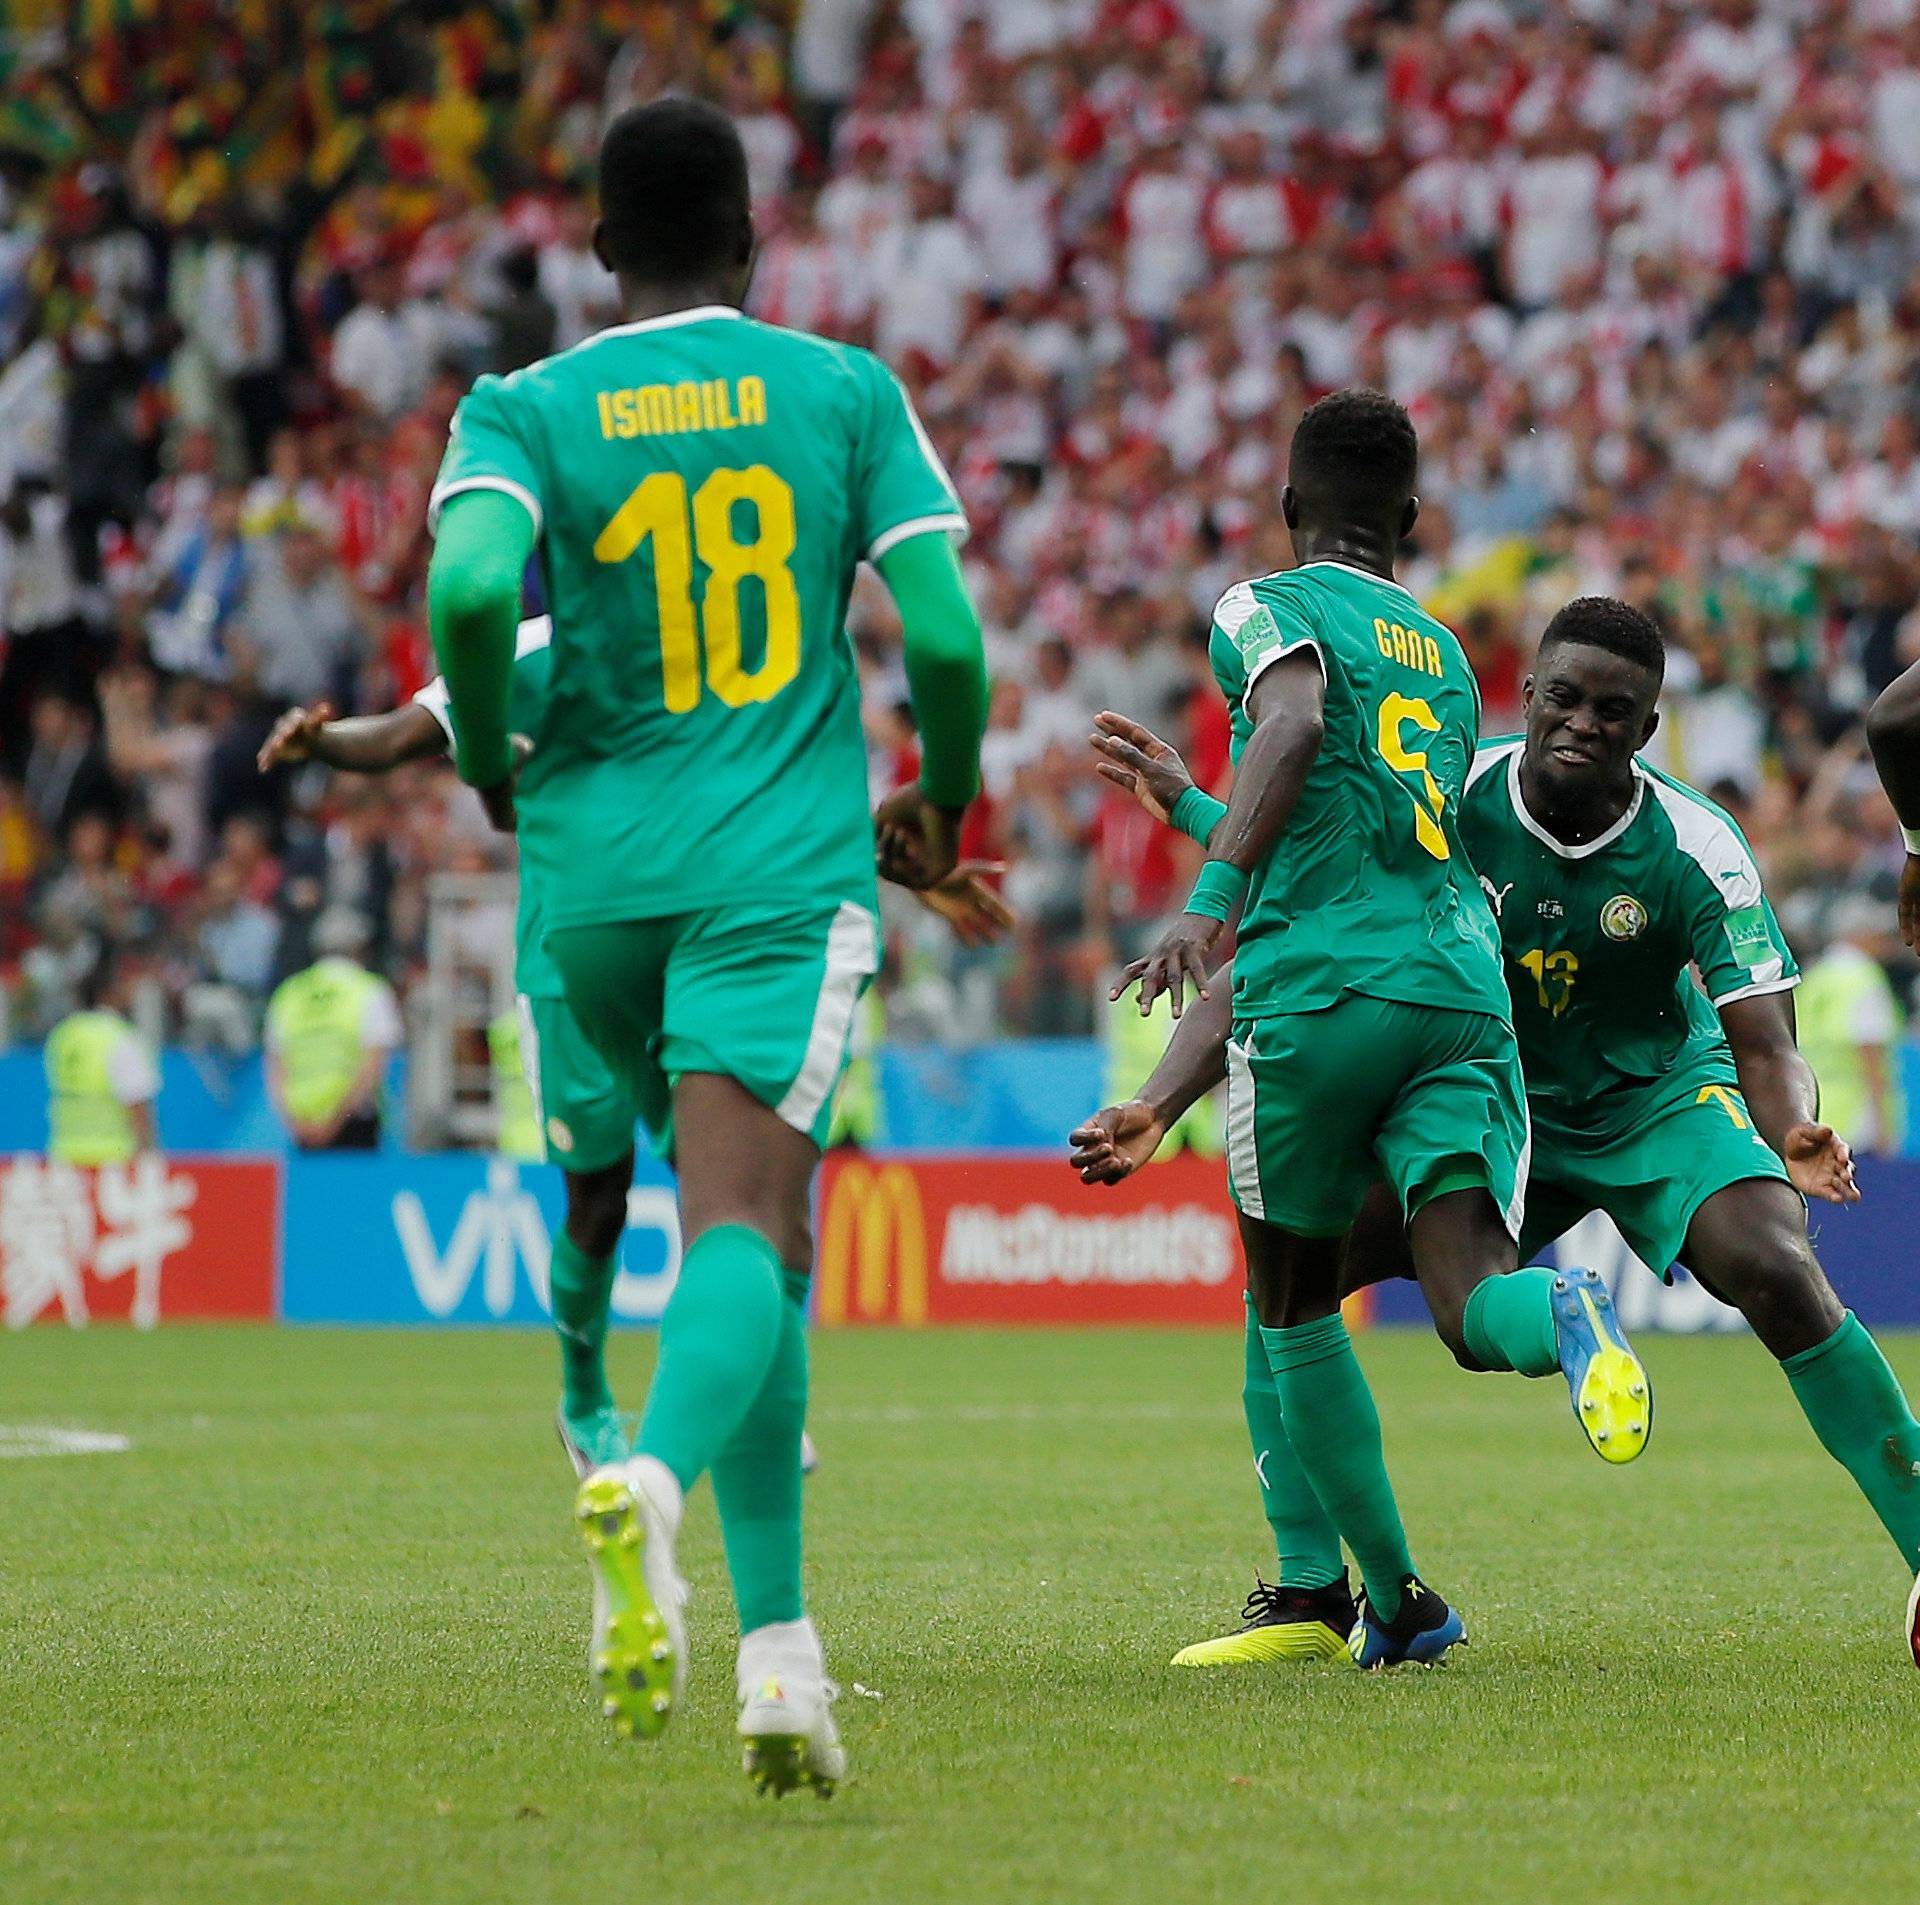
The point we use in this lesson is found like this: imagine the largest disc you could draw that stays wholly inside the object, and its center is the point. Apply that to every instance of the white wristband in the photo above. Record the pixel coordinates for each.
(1911, 835)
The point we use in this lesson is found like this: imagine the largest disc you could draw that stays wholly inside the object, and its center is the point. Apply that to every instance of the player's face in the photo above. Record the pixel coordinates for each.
(1587, 711)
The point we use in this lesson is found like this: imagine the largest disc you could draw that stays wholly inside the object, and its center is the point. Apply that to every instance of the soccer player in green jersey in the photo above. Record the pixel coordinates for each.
(1893, 732)
(700, 489)
(1371, 1031)
(585, 1114)
(1682, 1109)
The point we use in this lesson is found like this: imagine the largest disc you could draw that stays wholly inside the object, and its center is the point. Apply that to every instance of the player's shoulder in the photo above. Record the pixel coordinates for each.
(1487, 773)
(1703, 839)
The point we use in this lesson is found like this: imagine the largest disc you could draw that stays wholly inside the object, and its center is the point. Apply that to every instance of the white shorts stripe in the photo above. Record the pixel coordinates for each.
(530, 1059)
(853, 954)
(1243, 1149)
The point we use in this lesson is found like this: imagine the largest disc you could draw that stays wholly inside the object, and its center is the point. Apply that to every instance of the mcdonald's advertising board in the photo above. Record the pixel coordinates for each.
(1022, 1240)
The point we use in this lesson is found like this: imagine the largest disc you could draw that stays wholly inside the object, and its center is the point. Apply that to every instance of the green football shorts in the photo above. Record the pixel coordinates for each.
(1651, 1181)
(586, 1115)
(1322, 1105)
(762, 994)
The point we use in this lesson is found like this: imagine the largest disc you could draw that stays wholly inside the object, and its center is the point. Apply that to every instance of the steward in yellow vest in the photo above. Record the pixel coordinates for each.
(101, 1084)
(330, 1032)
(518, 1134)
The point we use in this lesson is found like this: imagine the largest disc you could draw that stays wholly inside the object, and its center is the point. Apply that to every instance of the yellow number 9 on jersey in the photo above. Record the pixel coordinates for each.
(1395, 712)
(658, 508)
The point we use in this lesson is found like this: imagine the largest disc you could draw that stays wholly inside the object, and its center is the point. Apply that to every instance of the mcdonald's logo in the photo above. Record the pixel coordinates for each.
(873, 1246)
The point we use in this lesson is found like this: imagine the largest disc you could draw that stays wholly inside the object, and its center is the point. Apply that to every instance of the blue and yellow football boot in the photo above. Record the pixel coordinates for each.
(1280, 1624)
(1419, 1634)
(1612, 1395)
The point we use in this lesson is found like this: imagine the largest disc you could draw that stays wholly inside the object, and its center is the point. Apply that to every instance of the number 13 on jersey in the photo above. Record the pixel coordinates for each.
(658, 508)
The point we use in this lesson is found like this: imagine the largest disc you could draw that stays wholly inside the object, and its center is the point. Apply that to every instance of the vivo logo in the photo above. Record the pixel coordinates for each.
(501, 1232)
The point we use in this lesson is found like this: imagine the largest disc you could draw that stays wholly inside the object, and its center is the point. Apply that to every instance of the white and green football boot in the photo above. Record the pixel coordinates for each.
(628, 1516)
(787, 1737)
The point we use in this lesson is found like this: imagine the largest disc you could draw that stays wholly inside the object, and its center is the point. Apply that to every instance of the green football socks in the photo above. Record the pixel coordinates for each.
(1861, 1415)
(582, 1289)
(718, 1338)
(1508, 1323)
(1304, 1537)
(1335, 1431)
(756, 1479)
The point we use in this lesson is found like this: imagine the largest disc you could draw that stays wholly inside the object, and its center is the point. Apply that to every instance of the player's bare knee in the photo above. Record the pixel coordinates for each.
(1776, 1283)
(597, 1208)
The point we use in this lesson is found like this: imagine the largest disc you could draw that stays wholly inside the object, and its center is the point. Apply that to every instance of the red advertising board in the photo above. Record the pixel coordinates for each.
(1019, 1240)
(159, 1239)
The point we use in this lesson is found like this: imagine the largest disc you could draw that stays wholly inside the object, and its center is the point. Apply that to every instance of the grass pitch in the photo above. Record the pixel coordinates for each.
(319, 1636)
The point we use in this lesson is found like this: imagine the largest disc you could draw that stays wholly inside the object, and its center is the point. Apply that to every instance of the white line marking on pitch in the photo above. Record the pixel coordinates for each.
(20, 1440)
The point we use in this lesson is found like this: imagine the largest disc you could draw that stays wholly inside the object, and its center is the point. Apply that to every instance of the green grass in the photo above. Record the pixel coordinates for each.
(320, 1636)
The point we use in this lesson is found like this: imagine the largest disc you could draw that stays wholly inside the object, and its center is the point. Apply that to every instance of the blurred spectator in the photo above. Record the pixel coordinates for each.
(331, 1032)
(102, 1077)
(300, 633)
(1647, 276)
(1849, 1024)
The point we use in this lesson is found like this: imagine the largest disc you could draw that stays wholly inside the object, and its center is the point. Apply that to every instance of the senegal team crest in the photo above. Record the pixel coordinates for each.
(1623, 917)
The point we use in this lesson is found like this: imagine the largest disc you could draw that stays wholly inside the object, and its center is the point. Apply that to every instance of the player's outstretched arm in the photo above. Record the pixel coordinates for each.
(473, 607)
(1893, 733)
(1783, 1097)
(918, 828)
(1151, 770)
(361, 744)
(1114, 1143)
(1287, 702)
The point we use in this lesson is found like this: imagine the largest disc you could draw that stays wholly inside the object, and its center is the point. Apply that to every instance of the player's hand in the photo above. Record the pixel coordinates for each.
(295, 736)
(1114, 1143)
(1820, 1162)
(502, 814)
(916, 844)
(1910, 901)
(1134, 757)
(975, 911)
(1181, 955)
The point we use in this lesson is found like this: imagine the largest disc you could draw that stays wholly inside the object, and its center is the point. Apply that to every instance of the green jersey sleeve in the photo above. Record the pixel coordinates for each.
(526, 692)
(1738, 947)
(487, 451)
(902, 487)
(1260, 629)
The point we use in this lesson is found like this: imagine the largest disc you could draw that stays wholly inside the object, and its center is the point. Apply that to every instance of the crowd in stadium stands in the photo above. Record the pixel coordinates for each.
(1647, 275)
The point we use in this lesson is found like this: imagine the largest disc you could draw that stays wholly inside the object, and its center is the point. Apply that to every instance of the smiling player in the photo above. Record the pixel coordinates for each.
(1682, 1110)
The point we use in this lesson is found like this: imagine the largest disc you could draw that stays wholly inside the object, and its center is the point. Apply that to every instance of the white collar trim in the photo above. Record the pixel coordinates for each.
(1366, 575)
(1588, 847)
(667, 320)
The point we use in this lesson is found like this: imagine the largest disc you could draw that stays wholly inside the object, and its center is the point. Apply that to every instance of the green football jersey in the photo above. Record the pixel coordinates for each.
(703, 488)
(533, 972)
(1367, 890)
(1601, 942)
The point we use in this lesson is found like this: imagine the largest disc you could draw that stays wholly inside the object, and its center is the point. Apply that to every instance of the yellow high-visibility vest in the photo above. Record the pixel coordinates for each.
(518, 1135)
(313, 1023)
(86, 1122)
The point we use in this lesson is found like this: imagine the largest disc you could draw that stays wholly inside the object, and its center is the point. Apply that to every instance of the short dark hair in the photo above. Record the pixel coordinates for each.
(673, 190)
(1355, 453)
(1600, 621)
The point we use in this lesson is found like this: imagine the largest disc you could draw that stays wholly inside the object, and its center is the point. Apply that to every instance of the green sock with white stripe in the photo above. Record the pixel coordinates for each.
(1304, 1537)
